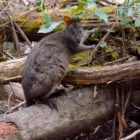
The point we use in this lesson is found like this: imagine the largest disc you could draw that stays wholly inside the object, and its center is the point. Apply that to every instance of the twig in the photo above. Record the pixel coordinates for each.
(105, 54)
(9, 98)
(7, 54)
(102, 40)
(11, 79)
(96, 129)
(120, 116)
(15, 36)
(14, 19)
(5, 8)
(131, 135)
(23, 34)
(119, 113)
(114, 124)
(12, 89)
(127, 100)
(123, 41)
(116, 61)
(14, 108)
(122, 99)
(138, 108)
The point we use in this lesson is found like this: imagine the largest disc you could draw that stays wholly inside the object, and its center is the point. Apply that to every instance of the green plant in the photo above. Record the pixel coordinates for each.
(129, 13)
(82, 6)
(48, 25)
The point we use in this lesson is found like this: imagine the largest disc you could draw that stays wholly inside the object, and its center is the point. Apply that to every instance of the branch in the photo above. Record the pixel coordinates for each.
(132, 135)
(101, 41)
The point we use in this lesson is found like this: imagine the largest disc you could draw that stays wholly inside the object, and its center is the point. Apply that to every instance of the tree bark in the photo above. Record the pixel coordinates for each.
(77, 112)
(12, 70)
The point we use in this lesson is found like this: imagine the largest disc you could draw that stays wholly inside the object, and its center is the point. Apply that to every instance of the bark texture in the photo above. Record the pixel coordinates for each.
(12, 70)
(77, 111)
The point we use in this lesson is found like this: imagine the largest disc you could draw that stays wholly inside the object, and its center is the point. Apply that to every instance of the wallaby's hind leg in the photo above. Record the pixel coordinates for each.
(51, 102)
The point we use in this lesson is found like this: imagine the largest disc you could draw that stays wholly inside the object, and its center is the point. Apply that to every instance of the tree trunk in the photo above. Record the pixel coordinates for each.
(77, 111)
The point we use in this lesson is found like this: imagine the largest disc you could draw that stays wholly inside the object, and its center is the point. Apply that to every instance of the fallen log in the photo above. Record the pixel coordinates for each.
(12, 70)
(103, 75)
(77, 112)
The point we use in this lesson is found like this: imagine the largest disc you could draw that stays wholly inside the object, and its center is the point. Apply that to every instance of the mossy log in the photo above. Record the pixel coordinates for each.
(12, 70)
(77, 112)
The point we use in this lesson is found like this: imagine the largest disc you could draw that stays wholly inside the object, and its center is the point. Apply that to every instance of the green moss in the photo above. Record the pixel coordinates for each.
(110, 9)
(73, 66)
(29, 24)
(84, 54)
(80, 58)
(136, 47)
(113, 54)
(59, 27)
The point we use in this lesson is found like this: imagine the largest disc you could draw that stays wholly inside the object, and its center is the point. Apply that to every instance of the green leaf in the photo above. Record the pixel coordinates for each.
(38, 10)
(81, 6)
(47, 20)
(137, 22)
(101, 14)
(121, 10)
(38, 3)
(139, 12)
(90, 4)
(94, 37)
(126, 20)
(70, 8)
(109, 30)
(44, 29)
(43, 7)
(81, 1)
(103, 45)
(130, 11)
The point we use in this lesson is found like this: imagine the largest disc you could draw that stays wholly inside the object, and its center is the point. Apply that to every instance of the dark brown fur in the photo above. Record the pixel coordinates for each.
(47, 64)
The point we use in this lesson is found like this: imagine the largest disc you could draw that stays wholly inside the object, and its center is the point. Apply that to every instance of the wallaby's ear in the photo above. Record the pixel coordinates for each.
(67, 19)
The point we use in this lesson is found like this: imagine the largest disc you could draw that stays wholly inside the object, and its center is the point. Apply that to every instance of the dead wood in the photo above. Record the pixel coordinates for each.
(78, 111)
(13, 87)
(12, 70)
(105, 74)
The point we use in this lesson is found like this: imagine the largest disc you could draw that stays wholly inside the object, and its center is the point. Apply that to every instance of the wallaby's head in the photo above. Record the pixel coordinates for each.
(74, 28)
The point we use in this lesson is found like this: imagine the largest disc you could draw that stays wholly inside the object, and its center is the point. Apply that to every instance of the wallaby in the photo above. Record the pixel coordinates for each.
(47, 64)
